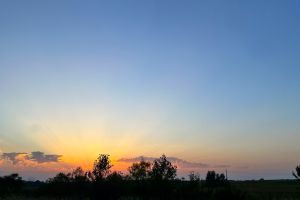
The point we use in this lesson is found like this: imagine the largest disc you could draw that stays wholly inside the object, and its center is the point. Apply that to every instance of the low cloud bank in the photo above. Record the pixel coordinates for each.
(177, 161)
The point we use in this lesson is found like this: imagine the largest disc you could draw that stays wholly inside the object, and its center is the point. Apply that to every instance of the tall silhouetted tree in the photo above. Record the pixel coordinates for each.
(163, 169)
(101, 167)
(215, 179)
(297, 173)
(140, 171)
(210, 178)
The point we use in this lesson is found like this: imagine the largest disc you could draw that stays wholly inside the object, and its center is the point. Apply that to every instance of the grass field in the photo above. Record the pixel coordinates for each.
(251, 190)
(270, 189)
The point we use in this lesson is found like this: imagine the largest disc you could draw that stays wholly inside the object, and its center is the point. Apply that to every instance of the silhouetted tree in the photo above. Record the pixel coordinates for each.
(163, 169)
(101, 167)
(11, 184)
(215, 179)
(140, 171)
(297, 173)
(210, 178)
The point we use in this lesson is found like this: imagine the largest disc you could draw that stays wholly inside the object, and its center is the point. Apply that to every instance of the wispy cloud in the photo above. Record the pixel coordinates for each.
(177, 161)
(136, 159)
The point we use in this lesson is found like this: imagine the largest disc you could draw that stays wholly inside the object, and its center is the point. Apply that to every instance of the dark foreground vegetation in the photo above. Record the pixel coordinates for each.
(145, 180)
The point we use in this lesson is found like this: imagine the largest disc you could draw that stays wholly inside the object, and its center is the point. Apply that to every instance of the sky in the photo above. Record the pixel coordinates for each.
(211, 84)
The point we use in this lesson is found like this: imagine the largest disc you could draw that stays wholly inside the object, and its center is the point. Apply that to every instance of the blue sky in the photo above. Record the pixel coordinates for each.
(206, 81)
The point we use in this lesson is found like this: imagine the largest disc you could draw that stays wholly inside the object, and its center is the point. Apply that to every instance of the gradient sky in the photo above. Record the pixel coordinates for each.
(216, 82)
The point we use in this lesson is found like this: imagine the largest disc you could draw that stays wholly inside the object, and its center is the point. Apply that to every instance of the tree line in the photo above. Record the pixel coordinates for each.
(145, 180)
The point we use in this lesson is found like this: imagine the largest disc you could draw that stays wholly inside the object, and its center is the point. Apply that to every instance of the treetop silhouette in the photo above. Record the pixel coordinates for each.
(163, 169)
(102, 167)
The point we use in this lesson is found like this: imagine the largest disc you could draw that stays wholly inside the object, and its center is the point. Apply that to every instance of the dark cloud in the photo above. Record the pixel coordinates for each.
(12, 157)
(36, 156)
(186, 164)
(40, 157)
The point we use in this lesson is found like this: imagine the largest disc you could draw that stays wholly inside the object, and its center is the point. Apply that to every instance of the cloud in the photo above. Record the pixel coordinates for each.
(37, 165)
(36, 157)
(40, 157)
(176, 161)
(180, 163)
(186, 164)
(136, 159)
(13, 157)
